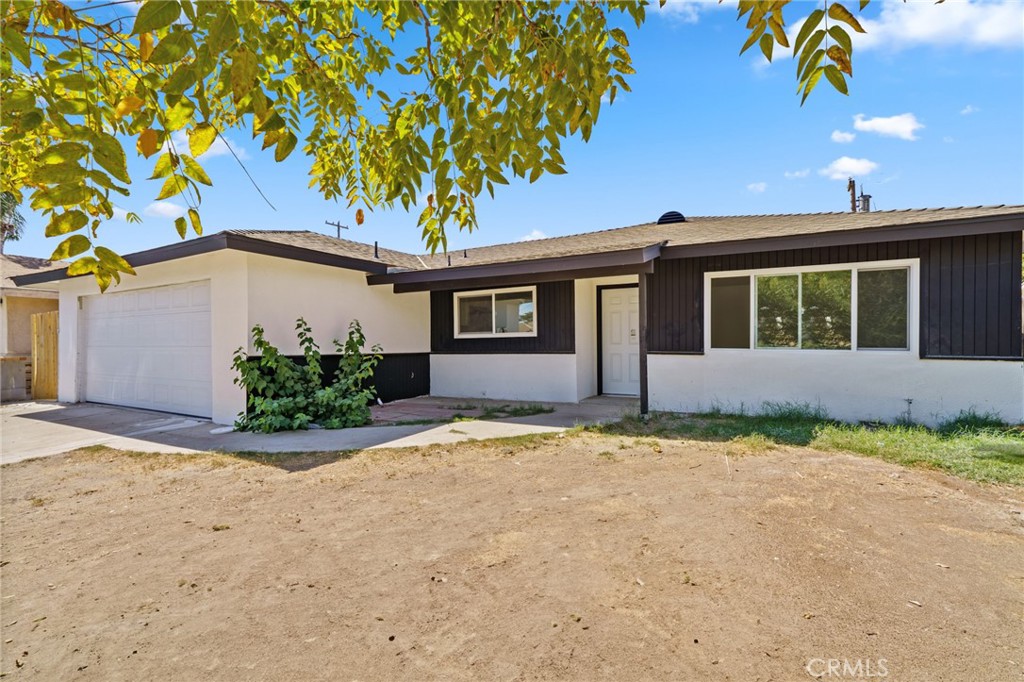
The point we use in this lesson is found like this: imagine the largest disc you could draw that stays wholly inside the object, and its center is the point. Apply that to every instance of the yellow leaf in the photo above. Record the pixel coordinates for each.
(128, 105)
(145, 46)
(841, 59)
(148, 143)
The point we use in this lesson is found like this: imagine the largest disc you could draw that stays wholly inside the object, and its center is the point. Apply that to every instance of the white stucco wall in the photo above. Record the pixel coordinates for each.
(587, 330)
(540, 377)
(246, 289)
(227, 273)
(850, 386)
(329, 298)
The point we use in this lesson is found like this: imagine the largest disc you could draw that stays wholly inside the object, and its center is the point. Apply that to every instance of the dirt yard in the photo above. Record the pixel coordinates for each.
(584, 557)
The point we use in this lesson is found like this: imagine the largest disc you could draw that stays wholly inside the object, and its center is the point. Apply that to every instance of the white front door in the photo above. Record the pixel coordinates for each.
(149, 348)
(620, 341)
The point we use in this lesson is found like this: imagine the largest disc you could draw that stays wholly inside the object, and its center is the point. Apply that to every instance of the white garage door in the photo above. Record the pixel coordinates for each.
(149, 348)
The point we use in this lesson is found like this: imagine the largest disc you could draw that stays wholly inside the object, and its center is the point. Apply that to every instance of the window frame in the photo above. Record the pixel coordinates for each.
(532, 290)
(913, 305)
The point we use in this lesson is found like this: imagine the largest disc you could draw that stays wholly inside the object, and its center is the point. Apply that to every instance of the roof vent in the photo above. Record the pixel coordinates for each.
(671, 217)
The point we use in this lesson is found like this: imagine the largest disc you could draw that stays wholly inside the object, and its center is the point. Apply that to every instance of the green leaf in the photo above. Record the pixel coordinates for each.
(842, 38)
(810, 66)
(754, 36)
(112, 261)
(83, 266)
(176, 117)
(223, 31)
(183, 78)
(811, 23)
(863, 4)
(767, 43)
(30, 120)
(174, 185)
(172, 48)
(835, 77)
(57, 173)
(200, 138)
(197, 225)
(20, 100)
(243, 73)
(285, 146)
(15, 43)
(195, 171)
(164, 166)
(66, 222)
(815, 76)
(779, 32)
(71, 247)
(63, 152)
(840, 13)
(156, 14)
(110, 155)
(181, 226)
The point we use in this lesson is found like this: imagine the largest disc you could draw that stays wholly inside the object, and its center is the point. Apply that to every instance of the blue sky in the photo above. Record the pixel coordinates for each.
(935, 117)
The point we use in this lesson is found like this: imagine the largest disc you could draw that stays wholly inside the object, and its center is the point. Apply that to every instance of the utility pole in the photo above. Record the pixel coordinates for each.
(338, 226)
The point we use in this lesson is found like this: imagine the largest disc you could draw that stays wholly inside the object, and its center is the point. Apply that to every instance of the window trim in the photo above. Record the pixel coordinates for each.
(913, 265)
(492, 293)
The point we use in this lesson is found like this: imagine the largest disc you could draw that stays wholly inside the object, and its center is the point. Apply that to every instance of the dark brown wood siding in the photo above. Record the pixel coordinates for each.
(970, 292)
(556, 325)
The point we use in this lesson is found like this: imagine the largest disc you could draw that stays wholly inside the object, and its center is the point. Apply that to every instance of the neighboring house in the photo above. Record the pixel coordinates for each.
(17, 305)
(868, 315)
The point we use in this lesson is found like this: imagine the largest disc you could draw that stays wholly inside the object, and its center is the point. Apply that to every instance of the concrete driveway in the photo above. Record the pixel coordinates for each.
(40, 429)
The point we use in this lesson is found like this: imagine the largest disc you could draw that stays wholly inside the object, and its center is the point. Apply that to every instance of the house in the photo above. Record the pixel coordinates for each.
(17, 306)
(879, 315)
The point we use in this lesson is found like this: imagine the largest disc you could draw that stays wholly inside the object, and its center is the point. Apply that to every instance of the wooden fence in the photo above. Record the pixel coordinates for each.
(44, 356)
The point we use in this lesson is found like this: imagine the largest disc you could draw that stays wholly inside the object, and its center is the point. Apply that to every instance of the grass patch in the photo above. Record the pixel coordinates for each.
(987, 455)
(788, 425)
(977, 447)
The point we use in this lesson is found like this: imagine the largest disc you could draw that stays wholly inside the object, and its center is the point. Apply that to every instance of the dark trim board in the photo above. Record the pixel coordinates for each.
(555, 309)
(397, 376)
(600, 330)
(879, 235)
(516, 280)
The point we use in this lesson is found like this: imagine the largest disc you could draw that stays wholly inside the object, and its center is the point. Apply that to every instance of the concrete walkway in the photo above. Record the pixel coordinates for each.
(41, 429)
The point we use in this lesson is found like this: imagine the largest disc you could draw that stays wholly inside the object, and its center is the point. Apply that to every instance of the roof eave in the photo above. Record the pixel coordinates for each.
(216, 242)
(931, 230)
(565, 267)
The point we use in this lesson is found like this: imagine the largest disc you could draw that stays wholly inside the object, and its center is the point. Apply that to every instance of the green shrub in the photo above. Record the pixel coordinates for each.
(283, 395)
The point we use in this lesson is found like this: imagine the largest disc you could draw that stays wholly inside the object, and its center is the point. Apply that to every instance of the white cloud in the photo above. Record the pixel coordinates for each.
(757, 187)
(948, 140)
(218, 148)
(969, 109)
(536, 234)
(793, 175)
(976, 24)
(165, 209)
(684, 11)
(902, 126)
(843, 137)
(845, 167)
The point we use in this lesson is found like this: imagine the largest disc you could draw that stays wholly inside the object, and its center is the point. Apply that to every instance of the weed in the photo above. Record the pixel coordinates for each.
(607, 454)
(752, 444)
(970, 421)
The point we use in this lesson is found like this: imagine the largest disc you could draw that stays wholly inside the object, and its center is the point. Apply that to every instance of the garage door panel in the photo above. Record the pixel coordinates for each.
(149, 348)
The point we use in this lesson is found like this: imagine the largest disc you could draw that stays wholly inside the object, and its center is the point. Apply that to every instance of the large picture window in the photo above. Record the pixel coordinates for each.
(863, 307)
(500, 312)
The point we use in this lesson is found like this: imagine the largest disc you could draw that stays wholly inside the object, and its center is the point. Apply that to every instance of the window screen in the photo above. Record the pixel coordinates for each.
(882, 297)
(730, 312)
(475, 315)
(778, 312)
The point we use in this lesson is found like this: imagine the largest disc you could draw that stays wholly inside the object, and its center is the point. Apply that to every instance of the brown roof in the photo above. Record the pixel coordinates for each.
(314, 241)
(711, 230)
(14, 266)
